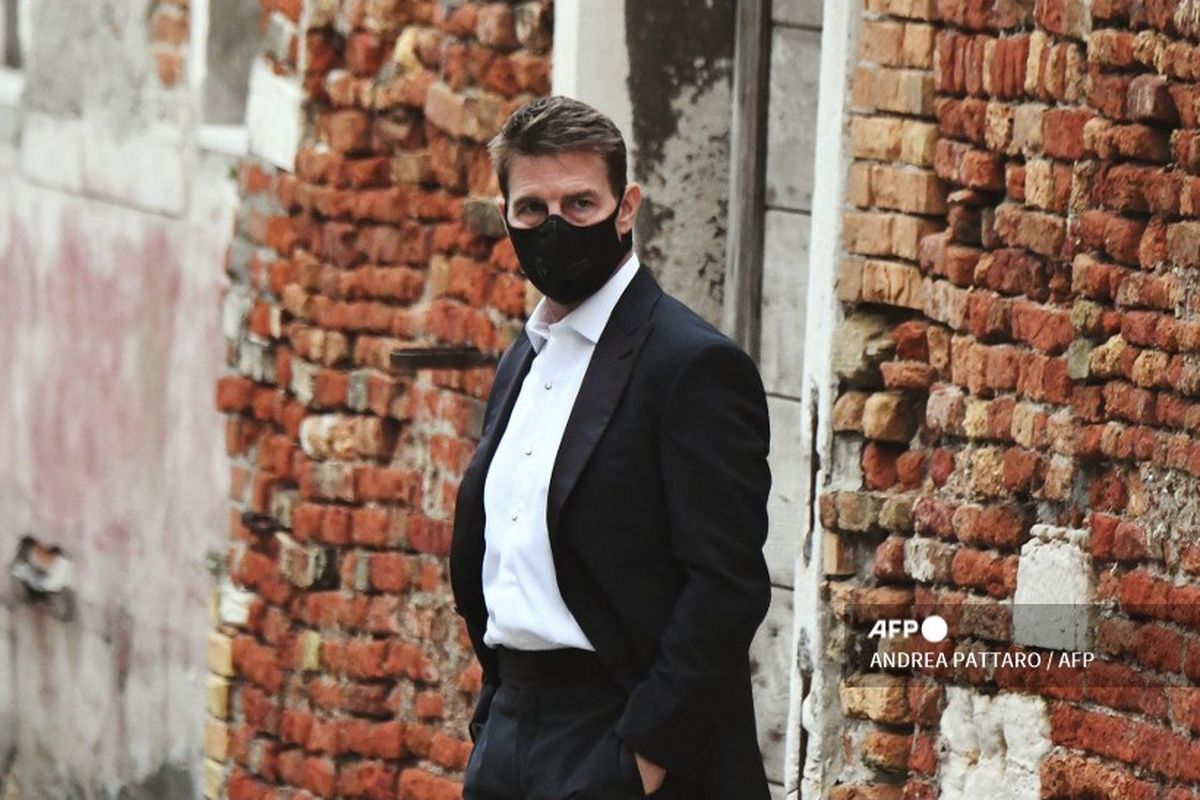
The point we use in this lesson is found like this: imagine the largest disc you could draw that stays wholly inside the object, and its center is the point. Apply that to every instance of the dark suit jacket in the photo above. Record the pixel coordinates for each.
(657, 515)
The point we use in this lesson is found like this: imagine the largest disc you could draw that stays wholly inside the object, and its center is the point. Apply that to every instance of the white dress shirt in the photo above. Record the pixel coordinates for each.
(525, 608)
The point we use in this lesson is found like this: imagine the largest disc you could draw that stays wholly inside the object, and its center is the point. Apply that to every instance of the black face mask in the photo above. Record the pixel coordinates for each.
(569, 263)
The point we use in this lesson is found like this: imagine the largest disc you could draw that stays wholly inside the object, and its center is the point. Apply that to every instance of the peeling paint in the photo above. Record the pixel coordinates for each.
(680, 86)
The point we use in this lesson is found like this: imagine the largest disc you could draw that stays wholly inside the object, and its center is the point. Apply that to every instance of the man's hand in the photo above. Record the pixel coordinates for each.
(652, 774)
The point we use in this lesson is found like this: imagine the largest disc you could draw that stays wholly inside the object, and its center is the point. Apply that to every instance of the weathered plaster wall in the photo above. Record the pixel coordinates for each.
(666, 79)
(112, 231)
(90, 58)
(112, 450)
(680, 82)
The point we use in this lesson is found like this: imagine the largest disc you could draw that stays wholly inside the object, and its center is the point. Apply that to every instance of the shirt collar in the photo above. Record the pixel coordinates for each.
(589, 317)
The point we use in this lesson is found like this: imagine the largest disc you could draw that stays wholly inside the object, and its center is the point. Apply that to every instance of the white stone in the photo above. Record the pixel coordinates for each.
(235, 310)
(919, 554)
(233, 606)
(304, 379)
(992, 745)
(273, 117)
(1056, 589)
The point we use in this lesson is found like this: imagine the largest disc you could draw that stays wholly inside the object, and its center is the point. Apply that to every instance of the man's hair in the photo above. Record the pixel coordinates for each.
(558, 124)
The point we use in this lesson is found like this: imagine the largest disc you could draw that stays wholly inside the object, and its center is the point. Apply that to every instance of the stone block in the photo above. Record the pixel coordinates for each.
(216, 740)
(220, 654)
(894, 284)
(792, 117)
(1054, 602)
(878, 697)
(993, 745)
(217, 695)
(889, 417)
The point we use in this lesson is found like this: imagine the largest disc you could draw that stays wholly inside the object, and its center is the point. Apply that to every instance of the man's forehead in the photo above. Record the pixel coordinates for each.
(557, 173)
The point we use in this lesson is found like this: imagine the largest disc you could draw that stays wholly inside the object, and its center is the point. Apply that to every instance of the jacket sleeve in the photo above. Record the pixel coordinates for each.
(714, 440)
(482, 709)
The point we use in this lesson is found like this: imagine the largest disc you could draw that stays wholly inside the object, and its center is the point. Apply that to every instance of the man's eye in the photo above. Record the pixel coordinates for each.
(583, 202)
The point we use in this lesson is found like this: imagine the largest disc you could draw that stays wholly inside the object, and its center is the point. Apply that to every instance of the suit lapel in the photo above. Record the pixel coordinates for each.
(604, 381)
(607, 373)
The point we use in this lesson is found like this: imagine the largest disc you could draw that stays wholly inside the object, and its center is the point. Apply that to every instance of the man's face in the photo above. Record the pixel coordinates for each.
(573, 185)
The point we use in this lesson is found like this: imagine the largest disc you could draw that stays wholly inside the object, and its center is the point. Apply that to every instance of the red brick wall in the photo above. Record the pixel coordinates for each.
(351, 675)
(1019, 349)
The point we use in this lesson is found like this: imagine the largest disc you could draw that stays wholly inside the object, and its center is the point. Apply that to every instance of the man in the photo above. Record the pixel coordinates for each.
(607, 550)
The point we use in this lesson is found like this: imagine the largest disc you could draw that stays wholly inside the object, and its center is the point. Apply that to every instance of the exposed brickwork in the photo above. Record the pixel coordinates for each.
(348, 674)
(1019, 383)
(168, 39)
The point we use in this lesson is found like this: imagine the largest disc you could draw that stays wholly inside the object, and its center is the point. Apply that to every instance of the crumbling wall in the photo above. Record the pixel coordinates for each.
(109, 324)
(1017, 400)
(338, 665)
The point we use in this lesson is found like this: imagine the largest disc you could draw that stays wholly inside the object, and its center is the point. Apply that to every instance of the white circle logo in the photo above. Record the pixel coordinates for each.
(934, 629)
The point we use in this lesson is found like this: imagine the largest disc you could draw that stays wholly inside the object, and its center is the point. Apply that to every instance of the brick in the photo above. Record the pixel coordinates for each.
(345, 131)
(1072, 775)
(886, 751)
(220, 654)
(837, 555)
(879, 465)
(217, 695)
(875, 137)
(364, 53)
(446, 108)
(848, 412)
(889, 416)
(1062, 133)
(907, 189)
(902, 91)
(877, 697)
(881, 42)
(496, 26)
(1044, 234)
(1183, 243)
(917, 142)
(216, 740)
(892, 283)
(1048, 330)
(1149, 100)
(967, 166)
(1064, 17)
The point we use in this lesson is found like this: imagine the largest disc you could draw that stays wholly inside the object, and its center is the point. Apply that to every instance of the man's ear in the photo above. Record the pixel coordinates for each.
(630, 203)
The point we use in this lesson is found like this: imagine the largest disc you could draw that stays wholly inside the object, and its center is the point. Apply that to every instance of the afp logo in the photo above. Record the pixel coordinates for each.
(933, 628)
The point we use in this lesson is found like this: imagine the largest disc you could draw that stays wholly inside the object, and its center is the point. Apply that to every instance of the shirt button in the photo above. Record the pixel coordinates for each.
(548, 384)
(514, 516)
(528, 451)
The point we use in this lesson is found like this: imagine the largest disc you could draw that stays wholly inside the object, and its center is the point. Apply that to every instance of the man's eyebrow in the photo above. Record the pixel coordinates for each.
(522, 198)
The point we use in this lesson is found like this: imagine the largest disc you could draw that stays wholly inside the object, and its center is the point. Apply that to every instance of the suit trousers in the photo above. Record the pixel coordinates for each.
(549, 734)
